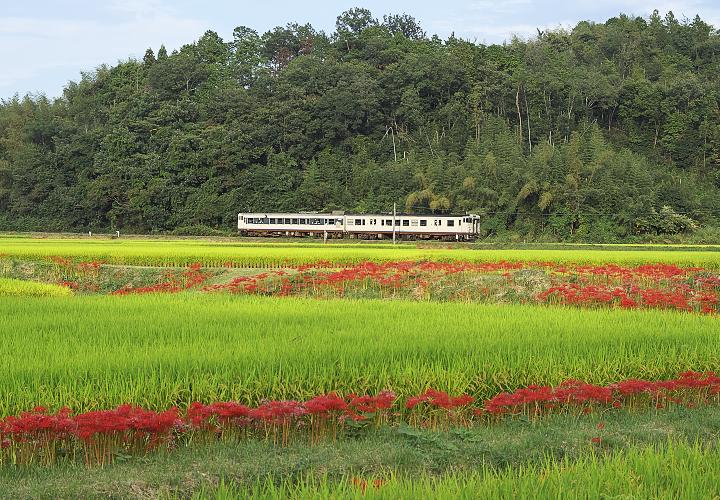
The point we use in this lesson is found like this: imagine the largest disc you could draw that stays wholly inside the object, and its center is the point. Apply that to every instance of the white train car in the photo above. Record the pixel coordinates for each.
(364, 226)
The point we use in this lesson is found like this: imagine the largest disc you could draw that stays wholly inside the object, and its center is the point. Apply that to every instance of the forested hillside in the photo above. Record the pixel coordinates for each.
(605, 132)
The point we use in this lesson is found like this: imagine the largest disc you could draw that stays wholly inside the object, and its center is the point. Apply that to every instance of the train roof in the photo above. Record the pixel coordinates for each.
(384, 214)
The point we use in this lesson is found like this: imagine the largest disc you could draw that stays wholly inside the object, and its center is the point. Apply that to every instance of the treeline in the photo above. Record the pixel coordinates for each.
(606, 132)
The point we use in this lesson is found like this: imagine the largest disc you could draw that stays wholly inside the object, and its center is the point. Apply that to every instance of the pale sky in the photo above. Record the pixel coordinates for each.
(46, 43)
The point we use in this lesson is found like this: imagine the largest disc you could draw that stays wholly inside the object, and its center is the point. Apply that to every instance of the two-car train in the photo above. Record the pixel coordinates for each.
(362, 226)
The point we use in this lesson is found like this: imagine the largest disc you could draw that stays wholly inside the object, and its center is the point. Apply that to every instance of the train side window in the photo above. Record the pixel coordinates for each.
(303, 221)
(294, 221)
(406, 222)
(414, 223)
(287, 221)
(397, 222)
(359, 222)
(388, 222)
(423, 222)
(272, 220)
(330, 221)
(451, 223)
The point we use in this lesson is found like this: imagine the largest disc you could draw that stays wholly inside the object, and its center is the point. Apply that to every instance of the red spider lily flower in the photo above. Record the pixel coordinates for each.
(439, 399)
(372, 404)
(325, 405)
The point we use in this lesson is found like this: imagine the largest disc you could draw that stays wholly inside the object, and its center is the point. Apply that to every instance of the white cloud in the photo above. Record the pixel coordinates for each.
(33, 47)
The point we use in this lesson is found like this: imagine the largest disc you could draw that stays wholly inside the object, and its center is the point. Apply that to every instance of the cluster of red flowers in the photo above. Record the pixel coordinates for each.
(662, 286)
(174, 283)
(392, 276)
(39, 435)
(99, 436)
(438, 409)
(652, 271)
(689, 388)
(75, 275)
(216, 416)
(649, 286)
(439, 399)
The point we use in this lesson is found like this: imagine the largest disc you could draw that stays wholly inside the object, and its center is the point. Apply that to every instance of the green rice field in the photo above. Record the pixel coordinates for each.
(253, 254)
(158, 350)
(22, 288)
